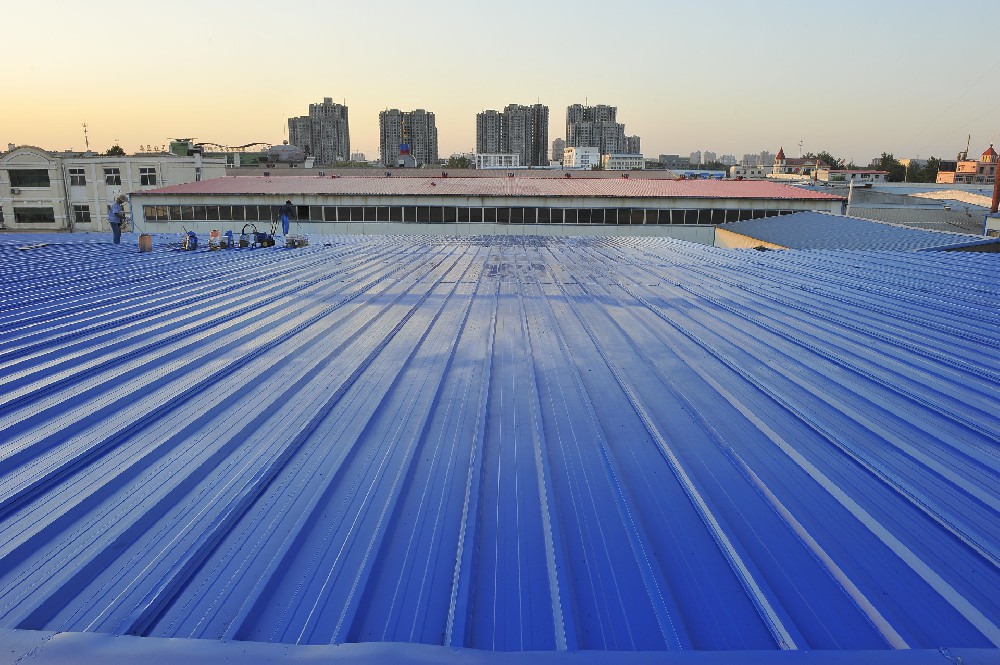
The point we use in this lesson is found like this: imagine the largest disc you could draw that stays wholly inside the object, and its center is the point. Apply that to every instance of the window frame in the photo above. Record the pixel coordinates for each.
(147, 176)
(30, 178)
(32, 212)
(81, 214)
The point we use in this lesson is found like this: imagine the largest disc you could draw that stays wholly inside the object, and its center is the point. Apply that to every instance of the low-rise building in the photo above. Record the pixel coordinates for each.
(846, 176)
(581, 157)
(795, 166)
(964, 170)
(567, 205)
(743, 172)
(42, 190)
(631, 162)
(498, 161)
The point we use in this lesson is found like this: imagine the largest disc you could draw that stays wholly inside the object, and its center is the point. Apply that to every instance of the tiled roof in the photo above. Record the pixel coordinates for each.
(502, 187)
(498, 444)
(813, 230)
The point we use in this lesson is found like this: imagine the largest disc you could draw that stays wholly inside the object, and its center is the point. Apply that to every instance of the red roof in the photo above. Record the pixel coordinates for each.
(781, 153)
(990, 153)
(634, 187)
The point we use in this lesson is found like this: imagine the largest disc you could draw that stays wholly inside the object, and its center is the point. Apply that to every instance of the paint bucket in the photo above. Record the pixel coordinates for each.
(145, 242)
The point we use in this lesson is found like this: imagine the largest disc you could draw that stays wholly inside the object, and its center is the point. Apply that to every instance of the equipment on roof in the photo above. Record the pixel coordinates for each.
(251, 237)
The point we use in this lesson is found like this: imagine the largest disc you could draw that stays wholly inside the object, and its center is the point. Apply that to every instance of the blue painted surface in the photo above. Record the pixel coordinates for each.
(815, 230)
(503, 444)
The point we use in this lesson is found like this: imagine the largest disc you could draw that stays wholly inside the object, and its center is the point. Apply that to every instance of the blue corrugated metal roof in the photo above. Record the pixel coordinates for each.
(815, 230)
(501, 444)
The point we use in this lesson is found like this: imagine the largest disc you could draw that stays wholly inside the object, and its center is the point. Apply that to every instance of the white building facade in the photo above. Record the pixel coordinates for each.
(749, 172)
(632, 162)
(581, 157)
(860, 176)
(498, 161)
(44, 191)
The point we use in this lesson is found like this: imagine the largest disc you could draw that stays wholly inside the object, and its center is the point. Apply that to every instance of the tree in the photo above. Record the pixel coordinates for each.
(897, 172)
(458, 162)
(825, 158)
(115, 151)
(924, 173)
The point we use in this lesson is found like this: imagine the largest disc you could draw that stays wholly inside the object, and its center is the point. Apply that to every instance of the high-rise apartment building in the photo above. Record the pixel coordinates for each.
(595, 126)
(528, 133)
(414, 129)
(490, 133)
(633, 145)
(518, 130)
(558, 148)
(324, 133)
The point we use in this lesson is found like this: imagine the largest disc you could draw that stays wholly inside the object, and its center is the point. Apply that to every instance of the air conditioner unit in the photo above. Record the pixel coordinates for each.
(15, 190)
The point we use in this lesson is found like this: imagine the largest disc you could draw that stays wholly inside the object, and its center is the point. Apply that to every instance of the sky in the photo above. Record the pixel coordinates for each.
(854, 78)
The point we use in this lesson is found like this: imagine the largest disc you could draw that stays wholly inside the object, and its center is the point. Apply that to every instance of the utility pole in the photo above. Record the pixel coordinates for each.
(995, 206)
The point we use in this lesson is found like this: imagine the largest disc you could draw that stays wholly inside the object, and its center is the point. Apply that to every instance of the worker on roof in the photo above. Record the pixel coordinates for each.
(286, 212)
(116, 215)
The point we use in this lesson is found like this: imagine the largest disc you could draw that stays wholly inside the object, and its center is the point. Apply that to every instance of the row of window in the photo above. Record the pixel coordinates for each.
(451, 215)
(34, 216)
(26, 215)
(78, 177)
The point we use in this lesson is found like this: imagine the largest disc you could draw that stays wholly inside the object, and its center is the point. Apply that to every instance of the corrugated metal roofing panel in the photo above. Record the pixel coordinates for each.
(946, 221)
(503, 444)
(814, 230)
(435, 186)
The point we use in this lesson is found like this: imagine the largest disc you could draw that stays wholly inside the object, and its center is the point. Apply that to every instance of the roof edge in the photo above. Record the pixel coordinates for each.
(50, 647)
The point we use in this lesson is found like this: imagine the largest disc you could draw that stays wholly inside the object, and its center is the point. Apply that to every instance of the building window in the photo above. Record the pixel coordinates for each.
(197, 174)
(81, 214)
(113, 176)
(34, 216)
(29, 178)
(147, 175)
(77, 177)
(155, 213)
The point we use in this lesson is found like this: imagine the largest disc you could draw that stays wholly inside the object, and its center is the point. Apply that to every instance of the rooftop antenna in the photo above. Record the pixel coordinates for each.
(86, 141)
(800, 148)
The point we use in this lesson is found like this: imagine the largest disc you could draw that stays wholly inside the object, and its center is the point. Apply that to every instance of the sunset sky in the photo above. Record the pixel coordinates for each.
(854, 78)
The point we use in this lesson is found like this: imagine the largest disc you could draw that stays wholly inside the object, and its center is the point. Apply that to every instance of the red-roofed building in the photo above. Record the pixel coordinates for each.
(971, 171)
(687, 209)
(796, 166)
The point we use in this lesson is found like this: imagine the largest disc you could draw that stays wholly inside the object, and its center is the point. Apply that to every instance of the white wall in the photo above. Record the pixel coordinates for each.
(96, 193)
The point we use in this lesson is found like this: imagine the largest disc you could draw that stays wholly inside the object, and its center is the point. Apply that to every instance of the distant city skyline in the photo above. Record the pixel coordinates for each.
(727, 77)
